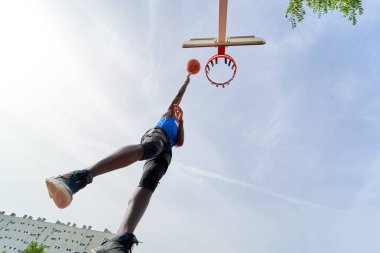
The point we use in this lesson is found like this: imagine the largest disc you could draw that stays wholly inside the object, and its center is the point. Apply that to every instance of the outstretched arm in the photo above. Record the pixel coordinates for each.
(178, 98)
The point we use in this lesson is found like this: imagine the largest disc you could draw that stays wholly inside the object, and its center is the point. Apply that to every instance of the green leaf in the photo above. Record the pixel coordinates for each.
(34, 247)
(350, 8)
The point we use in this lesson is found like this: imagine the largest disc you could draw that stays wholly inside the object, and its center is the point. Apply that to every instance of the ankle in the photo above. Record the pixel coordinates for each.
(126, 238)
(87, 176)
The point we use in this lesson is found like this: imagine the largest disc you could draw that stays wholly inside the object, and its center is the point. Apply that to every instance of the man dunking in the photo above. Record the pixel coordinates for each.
(155, 147)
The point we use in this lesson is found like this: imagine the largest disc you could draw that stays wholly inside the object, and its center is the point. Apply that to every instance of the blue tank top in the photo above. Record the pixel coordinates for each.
(170, 126)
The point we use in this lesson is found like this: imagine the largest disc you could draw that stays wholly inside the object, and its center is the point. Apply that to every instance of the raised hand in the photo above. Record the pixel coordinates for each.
(178, 112)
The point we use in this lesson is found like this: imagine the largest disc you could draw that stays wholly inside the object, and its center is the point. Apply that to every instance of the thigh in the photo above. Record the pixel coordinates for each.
(155, 169)
(153, 146)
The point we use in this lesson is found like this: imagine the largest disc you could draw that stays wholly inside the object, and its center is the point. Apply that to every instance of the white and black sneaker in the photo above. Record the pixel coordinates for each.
(62, 188)
(120, 244)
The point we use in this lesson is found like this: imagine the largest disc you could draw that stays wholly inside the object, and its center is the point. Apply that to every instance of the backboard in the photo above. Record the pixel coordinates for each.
(221, 42)
(230, 41)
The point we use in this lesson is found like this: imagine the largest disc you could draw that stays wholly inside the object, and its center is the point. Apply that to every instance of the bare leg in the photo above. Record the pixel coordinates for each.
(124, 241)
(122, 158)
(136, 209)
(62, 188)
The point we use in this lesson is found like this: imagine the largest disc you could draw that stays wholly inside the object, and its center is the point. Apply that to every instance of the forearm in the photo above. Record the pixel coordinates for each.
(181, 134)
(181, 92)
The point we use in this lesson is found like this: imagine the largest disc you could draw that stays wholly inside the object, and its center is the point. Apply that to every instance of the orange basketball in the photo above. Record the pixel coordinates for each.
(193, 66)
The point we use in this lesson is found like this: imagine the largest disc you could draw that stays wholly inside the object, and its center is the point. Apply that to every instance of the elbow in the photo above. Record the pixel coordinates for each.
(179, 144)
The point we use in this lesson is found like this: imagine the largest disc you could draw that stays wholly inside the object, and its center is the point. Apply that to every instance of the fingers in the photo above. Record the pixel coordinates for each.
(176, 107)
(178, 111)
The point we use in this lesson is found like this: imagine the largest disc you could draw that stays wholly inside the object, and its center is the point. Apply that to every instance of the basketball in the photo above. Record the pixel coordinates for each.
(193, 66)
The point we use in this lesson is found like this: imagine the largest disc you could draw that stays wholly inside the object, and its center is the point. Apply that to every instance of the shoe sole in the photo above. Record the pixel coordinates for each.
(58, 192)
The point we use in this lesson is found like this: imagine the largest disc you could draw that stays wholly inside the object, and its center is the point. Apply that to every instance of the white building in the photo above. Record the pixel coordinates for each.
(17, 233)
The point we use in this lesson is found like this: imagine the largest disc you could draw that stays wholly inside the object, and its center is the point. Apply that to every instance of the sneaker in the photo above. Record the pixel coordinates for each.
(62, 188)
(120, 244)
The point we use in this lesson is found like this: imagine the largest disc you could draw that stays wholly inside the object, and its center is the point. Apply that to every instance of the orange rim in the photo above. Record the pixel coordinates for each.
(228, 60)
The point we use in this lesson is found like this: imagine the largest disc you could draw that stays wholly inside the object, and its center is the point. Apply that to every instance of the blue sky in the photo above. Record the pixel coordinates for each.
(286, 159)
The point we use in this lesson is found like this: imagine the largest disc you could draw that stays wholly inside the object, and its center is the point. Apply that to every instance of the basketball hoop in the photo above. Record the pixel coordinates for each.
(221, 59)
(221, 42)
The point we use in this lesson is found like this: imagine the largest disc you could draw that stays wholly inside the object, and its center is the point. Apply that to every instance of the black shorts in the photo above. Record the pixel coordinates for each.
(158, 155)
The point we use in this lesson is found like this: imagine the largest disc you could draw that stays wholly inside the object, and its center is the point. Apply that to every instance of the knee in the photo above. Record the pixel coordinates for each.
(149, 183)
(152, 174)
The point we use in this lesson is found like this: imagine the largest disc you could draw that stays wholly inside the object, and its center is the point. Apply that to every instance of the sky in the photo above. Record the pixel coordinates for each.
(285, 159)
